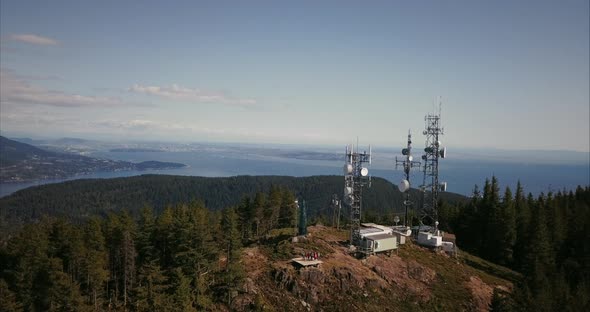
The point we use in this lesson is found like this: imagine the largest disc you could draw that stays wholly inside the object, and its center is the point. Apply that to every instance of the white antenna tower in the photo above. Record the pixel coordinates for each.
(430, 185)
(355, 177)
(407, 162)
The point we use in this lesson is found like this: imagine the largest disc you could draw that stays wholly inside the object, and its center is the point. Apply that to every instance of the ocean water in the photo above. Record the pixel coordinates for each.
(461, 175)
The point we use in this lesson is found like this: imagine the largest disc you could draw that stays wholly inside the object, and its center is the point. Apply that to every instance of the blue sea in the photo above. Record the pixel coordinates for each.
(460, 174)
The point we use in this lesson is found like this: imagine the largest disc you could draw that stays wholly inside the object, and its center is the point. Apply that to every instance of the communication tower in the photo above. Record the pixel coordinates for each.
(356, 176)
(407, 162)
(430, 185)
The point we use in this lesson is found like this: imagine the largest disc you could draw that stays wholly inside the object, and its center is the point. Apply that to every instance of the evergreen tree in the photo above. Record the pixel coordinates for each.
(150, 293)
(233, 273)
(247, 215)
(95, 267)
(288, 210)
(146, 252)
(523, 216)
(258, 204)
(182, 294)
(506, 229)
(63, 294)
(8, 300)
(272, 208)
(539, 259)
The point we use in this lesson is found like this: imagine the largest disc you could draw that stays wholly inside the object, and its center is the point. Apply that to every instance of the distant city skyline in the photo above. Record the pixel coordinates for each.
(511, 75)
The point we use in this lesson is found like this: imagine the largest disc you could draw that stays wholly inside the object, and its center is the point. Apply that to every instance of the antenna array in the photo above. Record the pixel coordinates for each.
(355, 177)
(407, 162)
(430, 185)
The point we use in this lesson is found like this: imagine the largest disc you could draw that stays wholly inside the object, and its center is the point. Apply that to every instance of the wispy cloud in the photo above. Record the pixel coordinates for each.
(179, 93)
(33, 39)
(15, 89)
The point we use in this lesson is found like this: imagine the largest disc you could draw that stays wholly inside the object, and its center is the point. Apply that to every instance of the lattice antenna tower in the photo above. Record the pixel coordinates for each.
(356, 176)
(407, 162)
(432, 153)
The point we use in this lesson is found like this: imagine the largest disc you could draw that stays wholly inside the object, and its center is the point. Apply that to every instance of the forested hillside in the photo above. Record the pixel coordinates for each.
(81, 199)
(190, 258)
(545, 238)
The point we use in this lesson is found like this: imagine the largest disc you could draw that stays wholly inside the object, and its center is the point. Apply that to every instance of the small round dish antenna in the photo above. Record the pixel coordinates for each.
(364, 172)
(347, 191)
(443, 152)
(404, 186)
(347, 169)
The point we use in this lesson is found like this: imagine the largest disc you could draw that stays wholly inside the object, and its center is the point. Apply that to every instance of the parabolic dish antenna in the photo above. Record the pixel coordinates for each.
(348, 169)
(347, 191)
(410, 158)
(404, 186)
(443, 152)
(364, 172)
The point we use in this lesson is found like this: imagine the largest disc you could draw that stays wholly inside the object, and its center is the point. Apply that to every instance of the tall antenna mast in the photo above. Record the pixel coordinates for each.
(407, 162)
(355, 177)
(432, 153)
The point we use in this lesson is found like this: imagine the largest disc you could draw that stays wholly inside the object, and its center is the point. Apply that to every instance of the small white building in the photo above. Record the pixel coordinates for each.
(428, 239)
(377, 243)
(377, 238)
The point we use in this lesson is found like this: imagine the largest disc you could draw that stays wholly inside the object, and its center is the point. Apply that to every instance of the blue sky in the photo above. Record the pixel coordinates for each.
(511, 74)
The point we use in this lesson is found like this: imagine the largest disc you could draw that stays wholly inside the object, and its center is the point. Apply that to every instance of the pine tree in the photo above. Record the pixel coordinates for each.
(8, 300)
(539, 259)
(150, 293)
(233, 272)
(523, 216)
(95, 267)
(506, 229)
(247, 215)
(164, 237)
(272, 208)
(288, 210)
(181, 288)
(258, 204)
(63, 294)
(146, 252)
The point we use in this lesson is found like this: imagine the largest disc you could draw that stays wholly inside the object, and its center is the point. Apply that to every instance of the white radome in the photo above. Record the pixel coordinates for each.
(404, 186)
(364, 172)
(348, 169)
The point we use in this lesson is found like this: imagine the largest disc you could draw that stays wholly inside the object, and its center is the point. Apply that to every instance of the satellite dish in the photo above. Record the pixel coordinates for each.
(404, 185)
(437, 143)
(410, 158)
(424, 157)
(348, 169)
(347, 190)
(443, 152)
(424, 132)
(364, 172)
(428, 149)
(405, 151)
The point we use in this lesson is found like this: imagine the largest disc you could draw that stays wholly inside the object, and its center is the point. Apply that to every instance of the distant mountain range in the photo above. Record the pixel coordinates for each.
(21, 162)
